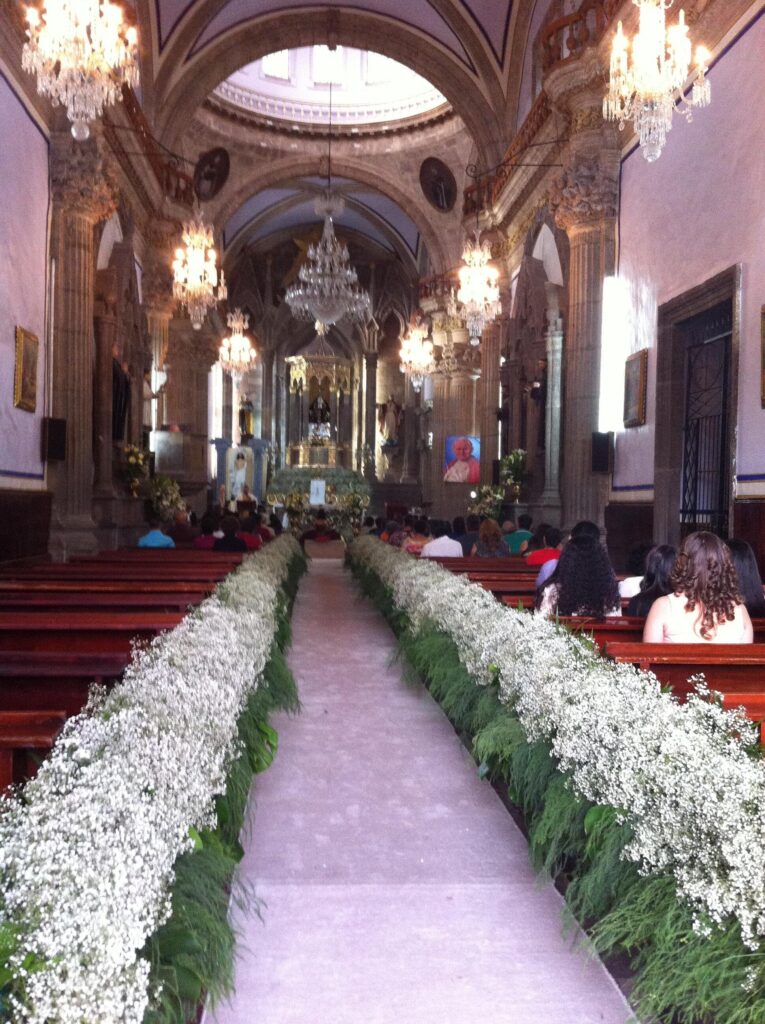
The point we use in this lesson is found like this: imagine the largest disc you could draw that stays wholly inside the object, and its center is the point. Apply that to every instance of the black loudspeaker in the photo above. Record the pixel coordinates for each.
(602, 452)
(53, 439)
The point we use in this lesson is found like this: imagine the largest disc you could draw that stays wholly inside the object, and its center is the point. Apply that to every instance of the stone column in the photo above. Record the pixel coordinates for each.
(267, 401)
(489, 392)
(105, 326)
(550, 498)
(370, 408)
(83, 192)
(584, 199)
(158, 302)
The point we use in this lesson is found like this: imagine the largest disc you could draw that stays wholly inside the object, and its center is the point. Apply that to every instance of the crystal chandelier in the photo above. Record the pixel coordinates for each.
(416, 355)
(477, 300)
(82, 53)
(195, 272)
(328, 286)
(649, 89)
(237, 354)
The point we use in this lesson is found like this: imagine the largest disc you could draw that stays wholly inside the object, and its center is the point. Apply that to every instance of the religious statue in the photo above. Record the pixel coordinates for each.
(120, 398)
(389, 417)
(240, 471)
(318, 411)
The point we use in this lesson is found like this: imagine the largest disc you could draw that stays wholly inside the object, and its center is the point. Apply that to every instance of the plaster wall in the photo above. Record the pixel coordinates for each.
(23, 281)
(695, 212)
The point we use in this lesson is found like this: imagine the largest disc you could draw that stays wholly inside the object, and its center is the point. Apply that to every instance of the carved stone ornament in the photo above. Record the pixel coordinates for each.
(157, 280)
(587, 119)
(83, 177)
(581, 194)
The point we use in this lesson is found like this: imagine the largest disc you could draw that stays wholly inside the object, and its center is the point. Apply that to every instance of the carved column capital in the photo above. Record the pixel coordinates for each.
(583, 194)
(83, 177)
(161, 237)
(189, 346)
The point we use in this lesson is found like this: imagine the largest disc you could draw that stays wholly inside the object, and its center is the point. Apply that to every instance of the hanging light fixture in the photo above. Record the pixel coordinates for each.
(82, 53)
(328, 286)
(195, 271)
(648, 89)
(416, 355)
(477, 300)
(237, 354)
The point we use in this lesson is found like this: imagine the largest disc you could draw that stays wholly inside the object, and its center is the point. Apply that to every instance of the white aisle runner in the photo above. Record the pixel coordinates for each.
(397, 888)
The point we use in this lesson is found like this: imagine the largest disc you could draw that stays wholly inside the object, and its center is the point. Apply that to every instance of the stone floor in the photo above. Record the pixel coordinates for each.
(395, 887)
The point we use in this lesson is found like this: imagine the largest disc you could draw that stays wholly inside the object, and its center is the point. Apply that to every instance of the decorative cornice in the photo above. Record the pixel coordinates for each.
(583, 193)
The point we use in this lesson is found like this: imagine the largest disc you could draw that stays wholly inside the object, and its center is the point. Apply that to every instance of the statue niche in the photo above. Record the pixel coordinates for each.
(320, 419)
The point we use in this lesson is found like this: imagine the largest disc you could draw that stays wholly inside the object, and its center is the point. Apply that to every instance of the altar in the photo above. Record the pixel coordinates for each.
(320, 414)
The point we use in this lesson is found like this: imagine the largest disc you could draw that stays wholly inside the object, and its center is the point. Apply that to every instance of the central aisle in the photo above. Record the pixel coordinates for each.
(396, 887)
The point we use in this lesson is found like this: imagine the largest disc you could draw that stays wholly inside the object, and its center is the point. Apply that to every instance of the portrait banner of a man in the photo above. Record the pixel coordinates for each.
(462, 463)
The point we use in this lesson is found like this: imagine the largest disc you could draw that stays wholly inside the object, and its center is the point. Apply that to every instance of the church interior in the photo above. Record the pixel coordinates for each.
(350, 272)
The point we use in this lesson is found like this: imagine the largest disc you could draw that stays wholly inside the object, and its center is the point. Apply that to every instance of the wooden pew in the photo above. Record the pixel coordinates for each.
(112, 601)
(94, 631)
(21, 733)
(35, 680)
(94, 571)
(735, 670)
(26, 585)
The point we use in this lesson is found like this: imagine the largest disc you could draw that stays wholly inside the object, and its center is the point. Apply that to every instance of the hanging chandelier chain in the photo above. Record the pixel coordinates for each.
(237, 354)
(195, 271)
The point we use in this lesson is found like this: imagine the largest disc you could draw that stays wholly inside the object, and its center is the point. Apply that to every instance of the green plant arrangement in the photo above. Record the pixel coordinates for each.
(649, 811)
(118, 857)
(348, 496)
(488, 502)
(513, 470)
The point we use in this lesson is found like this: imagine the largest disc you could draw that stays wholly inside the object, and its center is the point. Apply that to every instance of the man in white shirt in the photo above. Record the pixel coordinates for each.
(441, 546)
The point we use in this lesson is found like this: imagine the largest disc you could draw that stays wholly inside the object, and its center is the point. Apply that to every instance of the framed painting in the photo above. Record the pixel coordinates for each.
(25, 377)
(462, 459)
(635, 384)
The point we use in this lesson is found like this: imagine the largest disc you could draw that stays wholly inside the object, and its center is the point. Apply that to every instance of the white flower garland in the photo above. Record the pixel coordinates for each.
(86, 861)
(678, 774)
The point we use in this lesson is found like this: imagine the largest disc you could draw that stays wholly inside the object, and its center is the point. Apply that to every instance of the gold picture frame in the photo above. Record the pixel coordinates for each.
(25, 377)
(635, 385)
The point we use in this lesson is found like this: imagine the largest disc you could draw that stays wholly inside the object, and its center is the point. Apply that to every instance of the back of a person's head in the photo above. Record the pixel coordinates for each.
(748, 576)
(422, 527)
(208, 524)
(659, 563)
(409, 521)
(637, 559)
(539, 538)
(181, 516)
(458, 526)
(585, 579)
(524, 521)
(438, 528)
(248, 524)
(155, 523)
(391, 526)
(473, 523)
(586, 528)
(490, 534)
(368, 523)
(508, 526)
(553, 536)
(230, 526)
(380, 522)
(704, 575)
(275, 523)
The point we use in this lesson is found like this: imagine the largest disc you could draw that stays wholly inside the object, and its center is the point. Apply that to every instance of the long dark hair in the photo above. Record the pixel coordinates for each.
(749, 579)
(704, 575)
(656, 579)
(584, 579)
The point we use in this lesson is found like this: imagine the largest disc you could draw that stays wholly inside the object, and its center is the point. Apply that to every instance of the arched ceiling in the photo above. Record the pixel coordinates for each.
(469, 50)
(290, 207)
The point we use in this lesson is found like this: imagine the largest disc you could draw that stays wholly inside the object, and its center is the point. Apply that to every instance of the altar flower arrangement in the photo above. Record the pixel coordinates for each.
(166, 498)
(513, 470)
(135, 466)
(488, 502)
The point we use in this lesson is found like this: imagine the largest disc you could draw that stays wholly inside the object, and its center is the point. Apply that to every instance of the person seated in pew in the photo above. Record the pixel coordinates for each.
(155, 538)
(470, 537)
(441, 545)
(458, 529)
(655, 582)
(182, 531)
(551, 551)
(583, 583)
(749, 579)
(229, 541)
(521, 536)
(250, 533)
(275, 525)
(418, 538)
(705, 605)
(206, 540)
(636, 568)
(399, 532)
(537, 541)
(584, 528)
(490, 543)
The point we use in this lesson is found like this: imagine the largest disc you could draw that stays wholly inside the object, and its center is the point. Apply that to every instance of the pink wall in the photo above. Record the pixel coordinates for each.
(695, 212)
(23, 259)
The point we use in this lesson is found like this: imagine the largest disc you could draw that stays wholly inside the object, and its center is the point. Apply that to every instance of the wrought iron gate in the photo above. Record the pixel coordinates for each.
(706, 472)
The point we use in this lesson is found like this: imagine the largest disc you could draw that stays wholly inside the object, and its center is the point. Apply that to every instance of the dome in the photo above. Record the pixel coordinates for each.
(367, 88)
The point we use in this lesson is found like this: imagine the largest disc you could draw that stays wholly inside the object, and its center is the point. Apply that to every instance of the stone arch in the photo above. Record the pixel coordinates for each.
(282, 171)
(179, 98)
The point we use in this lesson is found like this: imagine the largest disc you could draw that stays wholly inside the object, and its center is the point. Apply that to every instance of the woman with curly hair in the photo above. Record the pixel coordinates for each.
(583, 583)
(705, 605)
(490, 543)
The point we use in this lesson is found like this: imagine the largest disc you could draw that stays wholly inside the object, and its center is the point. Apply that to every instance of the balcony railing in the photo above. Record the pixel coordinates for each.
(175, 183)
(565, 39)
